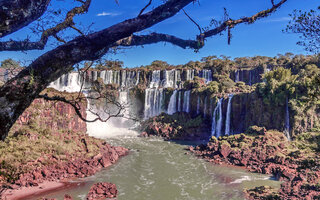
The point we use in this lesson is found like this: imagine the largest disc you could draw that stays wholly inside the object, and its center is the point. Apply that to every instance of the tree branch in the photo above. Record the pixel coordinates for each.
(192, 20)
(67, 23)
(18, 93)
(16, 14)
(232, 23)
(143, 9)
(138, 40)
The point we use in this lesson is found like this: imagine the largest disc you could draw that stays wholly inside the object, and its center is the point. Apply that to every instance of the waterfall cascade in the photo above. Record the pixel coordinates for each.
(172, 107)
(179, 101)
(217, 124)
(186, 101)
(206, 74)
(153, 102)
(237, 76)
(228, 116)
(154, 95)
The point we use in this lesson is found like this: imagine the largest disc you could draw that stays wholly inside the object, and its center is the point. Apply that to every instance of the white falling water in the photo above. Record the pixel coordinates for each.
(177, 78)
(113, 127)
(137, 77)
(206, 74)
(172, 108)
(190, 74)
(169, 76)
(179, 101)
(155, 79)
(94, 75)
(287, 122)
(153, 102)
(217, 124)
(228, 116)
(237, 76)
(67, 82)
(124, 101)
(123, 78)
(186, 101)
(198, 105)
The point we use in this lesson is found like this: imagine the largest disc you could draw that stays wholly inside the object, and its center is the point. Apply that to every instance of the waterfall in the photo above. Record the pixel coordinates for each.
(250, 80)
(228, 117)
(153, 102)
(198, 105)
(217, 125)
(123, 100)
(172, 108)
(179, 102)
(237, 75)
(137, 77)
(155, 79)
(177, 78)
(190, 74)
(114, 126)
(287, 121)
(186, 101)
(123, 78)
(67, 82)
(206, 74)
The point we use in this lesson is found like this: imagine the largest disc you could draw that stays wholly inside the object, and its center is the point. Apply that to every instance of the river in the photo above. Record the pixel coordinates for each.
(160, 170)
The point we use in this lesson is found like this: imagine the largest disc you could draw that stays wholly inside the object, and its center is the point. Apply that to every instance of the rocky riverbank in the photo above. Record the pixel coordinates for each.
(295, 163)
(49, 144)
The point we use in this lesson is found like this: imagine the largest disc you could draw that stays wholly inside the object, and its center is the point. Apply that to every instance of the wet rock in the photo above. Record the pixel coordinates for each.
(67, 197)
(269, 153)
(102, 191)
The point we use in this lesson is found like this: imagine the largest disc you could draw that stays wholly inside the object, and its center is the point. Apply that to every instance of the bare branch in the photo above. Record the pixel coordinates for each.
(192, 20)
(138, 40)
(143, 9)
(232, 23)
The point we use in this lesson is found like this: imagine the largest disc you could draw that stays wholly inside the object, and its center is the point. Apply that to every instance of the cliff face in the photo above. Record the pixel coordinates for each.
(56, 116)
(49, 143)
(150, 92)
(248, 109)
(248, 76)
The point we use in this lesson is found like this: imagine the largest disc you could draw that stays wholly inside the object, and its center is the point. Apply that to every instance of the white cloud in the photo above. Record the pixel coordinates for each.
(107, 14)
(280, 19)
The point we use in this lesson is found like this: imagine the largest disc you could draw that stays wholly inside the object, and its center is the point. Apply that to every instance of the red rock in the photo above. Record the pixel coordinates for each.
(67, 197)
(102, 190)
(225, 150)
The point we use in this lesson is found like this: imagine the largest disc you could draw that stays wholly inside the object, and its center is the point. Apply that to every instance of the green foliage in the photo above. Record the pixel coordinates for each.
(10, 64)
(256, 130)
(307, 26)
(109, 64)
(279, 85)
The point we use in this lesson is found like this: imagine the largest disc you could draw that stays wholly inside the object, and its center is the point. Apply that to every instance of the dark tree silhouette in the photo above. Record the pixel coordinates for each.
(19, 92)
(307, 25)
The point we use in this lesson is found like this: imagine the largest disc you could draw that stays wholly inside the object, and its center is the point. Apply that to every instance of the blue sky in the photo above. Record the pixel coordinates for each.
(264, 37)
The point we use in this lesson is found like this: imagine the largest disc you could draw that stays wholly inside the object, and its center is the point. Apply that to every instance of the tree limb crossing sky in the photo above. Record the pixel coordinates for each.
(264, 37)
